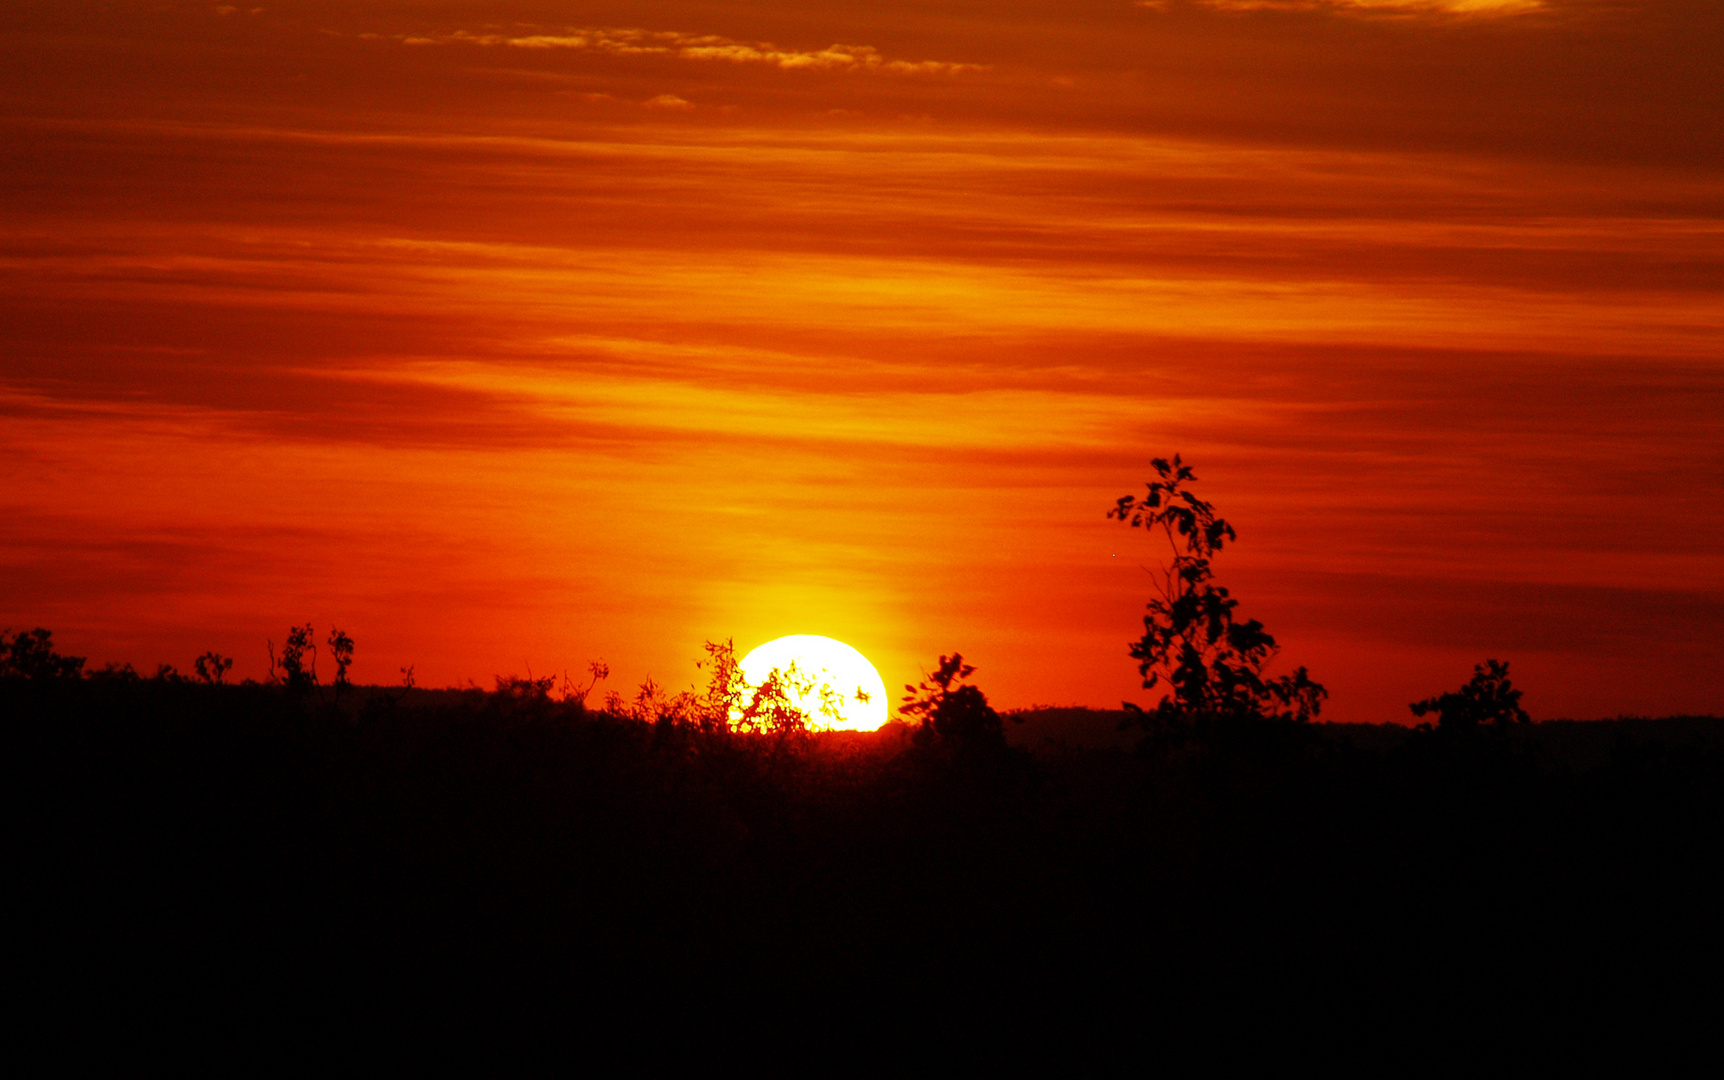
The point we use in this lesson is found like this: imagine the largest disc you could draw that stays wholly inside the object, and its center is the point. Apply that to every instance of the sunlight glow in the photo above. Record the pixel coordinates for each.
(855, 690)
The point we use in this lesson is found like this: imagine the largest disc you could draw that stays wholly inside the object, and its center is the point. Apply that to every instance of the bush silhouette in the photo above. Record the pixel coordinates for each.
(295, 673)
(955, 716)
(1212, 666)
(212, 667)
(597, 670)
(773, 707)
(1489, 698)
(525, 688)
(341, 648)
(29, 654)
(296, 667)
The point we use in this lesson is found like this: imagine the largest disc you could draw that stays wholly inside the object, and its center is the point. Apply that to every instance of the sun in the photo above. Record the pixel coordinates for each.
(856, 688)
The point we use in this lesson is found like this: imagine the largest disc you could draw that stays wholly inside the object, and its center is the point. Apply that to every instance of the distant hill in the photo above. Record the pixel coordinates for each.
(1073, 729)
(1574, 744)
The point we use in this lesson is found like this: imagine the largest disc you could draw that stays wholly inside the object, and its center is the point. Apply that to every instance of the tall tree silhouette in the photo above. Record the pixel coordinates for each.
(1211, 666)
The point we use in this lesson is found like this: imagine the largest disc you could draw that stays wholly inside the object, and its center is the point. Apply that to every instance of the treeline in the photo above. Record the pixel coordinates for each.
(225, 845)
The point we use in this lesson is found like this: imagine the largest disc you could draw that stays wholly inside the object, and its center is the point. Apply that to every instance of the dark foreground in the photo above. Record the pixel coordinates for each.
(196, 858)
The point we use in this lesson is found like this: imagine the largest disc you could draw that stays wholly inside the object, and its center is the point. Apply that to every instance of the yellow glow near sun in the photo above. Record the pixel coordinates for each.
(857, 690)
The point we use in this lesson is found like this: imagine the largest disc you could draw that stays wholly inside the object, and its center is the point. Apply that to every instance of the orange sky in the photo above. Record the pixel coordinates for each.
(516, 334)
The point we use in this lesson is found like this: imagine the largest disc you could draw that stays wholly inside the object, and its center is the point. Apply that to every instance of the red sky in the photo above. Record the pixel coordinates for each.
(517, 334)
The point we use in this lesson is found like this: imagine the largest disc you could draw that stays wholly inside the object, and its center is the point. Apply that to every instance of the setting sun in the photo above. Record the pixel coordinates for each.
(853, 688)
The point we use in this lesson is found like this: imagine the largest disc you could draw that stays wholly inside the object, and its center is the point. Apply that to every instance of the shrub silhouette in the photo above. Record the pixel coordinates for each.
(773, 707)
(1489, 698)
(114, 672)
(1212, 666)
(29, 654)
(212, 667)
(341, 648)
(525, 688)
(598, 671)
(296, 668)
(955, 716)
(709, 713)
(295, 674)
(725, 688)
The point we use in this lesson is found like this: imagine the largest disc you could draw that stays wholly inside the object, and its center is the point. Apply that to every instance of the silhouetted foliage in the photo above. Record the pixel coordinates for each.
(725, 688)
(772, 708)
(652, 704)
(341, 651)
(295, 672)
(953, 715)
(212, 667)
(29, 654)
(525, 688)
(1211, 665)
(597, 672)
(1489, 698)
(114, 672)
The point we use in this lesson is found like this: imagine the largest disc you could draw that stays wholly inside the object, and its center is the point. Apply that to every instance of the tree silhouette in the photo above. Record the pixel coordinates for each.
(954, 714)
(295, 674)
(29, 654)
(341, 648)
(1211, 665)
(1489, 698)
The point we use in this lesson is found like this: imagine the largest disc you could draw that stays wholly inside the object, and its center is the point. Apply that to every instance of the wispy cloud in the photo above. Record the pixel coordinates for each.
(625, 41)
(1407, 7)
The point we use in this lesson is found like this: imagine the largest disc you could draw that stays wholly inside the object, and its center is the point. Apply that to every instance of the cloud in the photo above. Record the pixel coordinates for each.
(637, 42)
(668, 101)
(1408, 7)
(843, 57)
